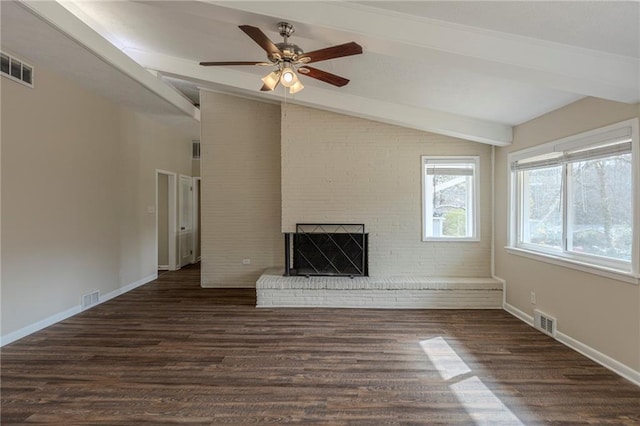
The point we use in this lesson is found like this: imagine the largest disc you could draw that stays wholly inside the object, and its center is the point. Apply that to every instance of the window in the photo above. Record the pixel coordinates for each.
(4, 64)
(450, 198)
(16, 70)
(575, 199)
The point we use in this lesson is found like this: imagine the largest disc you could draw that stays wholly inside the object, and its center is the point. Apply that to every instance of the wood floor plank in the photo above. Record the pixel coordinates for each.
(171, 352)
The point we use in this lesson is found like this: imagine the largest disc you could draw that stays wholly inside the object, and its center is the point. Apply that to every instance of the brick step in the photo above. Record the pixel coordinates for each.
(275, 290)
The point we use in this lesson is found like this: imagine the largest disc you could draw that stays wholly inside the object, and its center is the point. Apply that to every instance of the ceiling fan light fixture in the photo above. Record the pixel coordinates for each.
(296, 87)
(288, 77)
(271, 80)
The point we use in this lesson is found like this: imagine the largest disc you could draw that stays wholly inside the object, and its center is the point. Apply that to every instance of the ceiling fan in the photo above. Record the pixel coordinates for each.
(289, 58)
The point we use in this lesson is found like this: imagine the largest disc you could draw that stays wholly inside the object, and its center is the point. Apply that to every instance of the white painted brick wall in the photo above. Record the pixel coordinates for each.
(328, 168)
(389, 299)
(341, 169)
(240, 168)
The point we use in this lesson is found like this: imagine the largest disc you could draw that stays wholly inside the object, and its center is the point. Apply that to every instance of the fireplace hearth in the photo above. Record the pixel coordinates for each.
(327, 249)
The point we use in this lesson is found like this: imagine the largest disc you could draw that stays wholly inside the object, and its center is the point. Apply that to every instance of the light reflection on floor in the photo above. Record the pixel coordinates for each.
(482, 405)
(444, 358)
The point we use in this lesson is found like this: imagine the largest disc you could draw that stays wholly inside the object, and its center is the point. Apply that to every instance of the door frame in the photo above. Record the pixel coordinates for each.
(197, 194)
(172, 209)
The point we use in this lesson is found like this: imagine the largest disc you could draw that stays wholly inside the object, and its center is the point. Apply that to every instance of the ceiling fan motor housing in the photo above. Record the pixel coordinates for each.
(289, 49)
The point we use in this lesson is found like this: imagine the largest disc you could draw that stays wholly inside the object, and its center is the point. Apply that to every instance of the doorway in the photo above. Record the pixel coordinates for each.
(165, 221)
(186, 221)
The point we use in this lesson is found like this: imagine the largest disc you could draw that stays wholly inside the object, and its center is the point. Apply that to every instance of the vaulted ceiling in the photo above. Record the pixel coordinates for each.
(465, 69)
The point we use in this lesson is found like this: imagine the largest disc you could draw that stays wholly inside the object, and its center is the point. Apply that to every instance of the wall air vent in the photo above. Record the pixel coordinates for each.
(16, 70)
(90, 299)
(544, 323)
(195, 150)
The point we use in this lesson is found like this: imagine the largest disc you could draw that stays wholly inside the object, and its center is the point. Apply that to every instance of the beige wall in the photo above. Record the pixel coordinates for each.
(78, 174)
(195, 168)
(599, 312)
(146, 145)
(240, 156)
(341, 169)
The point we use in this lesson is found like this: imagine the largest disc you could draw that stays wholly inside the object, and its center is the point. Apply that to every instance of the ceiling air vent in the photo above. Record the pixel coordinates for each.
(195, 150)
(545, 323)
(16, 69)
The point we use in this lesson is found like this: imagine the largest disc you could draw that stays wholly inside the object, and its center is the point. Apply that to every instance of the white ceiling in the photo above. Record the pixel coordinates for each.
(467, 69)
(607, 26)
(33, 40)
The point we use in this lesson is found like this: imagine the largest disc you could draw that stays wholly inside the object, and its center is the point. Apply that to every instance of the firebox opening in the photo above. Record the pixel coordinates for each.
(327, 250)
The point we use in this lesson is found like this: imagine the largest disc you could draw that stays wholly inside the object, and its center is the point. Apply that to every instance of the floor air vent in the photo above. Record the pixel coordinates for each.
(545, 323)
(90, 299)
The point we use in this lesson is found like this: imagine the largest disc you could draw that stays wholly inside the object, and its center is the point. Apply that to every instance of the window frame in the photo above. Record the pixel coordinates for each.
(474, 194)
(592, 263)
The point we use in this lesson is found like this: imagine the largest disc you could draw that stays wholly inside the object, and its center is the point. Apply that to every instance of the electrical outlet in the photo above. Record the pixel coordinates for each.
(246, 261)
(533, 298)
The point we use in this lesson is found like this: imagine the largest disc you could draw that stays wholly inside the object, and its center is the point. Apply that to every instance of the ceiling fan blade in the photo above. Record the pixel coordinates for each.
(210, 64)
(327, 77)
(347, 49)
(259, 37)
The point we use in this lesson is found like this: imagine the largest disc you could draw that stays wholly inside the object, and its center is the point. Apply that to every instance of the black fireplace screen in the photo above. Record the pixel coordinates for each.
(327, 249)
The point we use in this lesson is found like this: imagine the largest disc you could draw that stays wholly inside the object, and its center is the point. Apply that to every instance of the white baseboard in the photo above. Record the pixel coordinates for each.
(122, 290)
(602, 359)
(61, 316)
(37, 326)
(163, 267)
(521, 315)
(606, 361)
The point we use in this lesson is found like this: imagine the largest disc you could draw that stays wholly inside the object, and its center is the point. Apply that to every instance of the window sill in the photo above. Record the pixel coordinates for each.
(450, 240)
(602, 271)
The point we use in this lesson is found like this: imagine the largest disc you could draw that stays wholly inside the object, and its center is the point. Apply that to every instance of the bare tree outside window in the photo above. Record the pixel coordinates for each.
(602, 207)
(542, 220)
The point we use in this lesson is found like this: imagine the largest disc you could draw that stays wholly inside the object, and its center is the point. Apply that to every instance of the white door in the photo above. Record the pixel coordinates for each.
(185, 219)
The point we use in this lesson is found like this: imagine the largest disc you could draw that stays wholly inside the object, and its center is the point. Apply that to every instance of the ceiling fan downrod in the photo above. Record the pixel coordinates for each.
(290, 50)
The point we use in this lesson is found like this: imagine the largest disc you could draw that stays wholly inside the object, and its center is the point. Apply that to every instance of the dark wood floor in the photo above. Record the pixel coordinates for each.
(171, 352)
